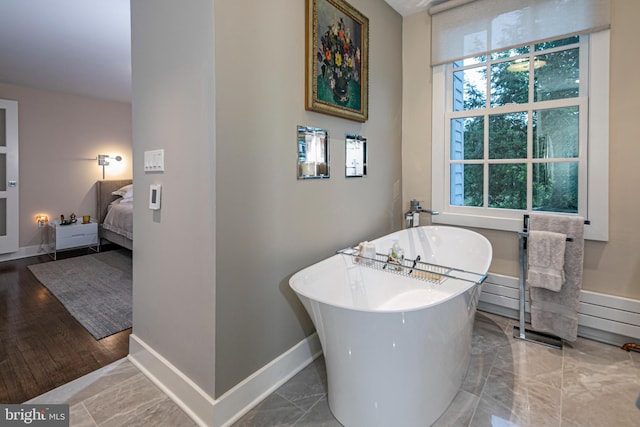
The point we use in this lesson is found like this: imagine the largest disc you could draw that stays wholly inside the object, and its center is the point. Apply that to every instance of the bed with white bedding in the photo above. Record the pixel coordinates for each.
(115, 212)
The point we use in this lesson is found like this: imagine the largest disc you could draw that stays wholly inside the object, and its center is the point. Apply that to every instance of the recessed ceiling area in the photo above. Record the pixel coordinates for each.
(409, 7)
(81, 47)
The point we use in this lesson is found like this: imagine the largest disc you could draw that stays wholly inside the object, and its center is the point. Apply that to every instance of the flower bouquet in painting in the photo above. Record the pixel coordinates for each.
(339, 60)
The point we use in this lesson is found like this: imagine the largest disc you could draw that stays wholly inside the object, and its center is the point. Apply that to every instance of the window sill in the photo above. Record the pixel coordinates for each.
(504, 224)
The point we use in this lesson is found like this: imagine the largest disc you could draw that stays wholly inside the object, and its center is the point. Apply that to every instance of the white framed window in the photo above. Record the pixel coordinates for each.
(520, 130)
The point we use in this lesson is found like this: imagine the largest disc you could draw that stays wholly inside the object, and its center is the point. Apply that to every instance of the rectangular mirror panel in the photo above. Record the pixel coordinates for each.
(355, 156)
(313, 153)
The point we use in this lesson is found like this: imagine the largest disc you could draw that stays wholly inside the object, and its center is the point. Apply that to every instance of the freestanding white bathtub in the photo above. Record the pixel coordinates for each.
(396, 348)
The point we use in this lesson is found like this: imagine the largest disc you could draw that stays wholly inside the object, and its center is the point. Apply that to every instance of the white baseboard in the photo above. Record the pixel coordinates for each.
(228, 408)
(607, 318)
(180, 388)
(25, 252)
(244, 396)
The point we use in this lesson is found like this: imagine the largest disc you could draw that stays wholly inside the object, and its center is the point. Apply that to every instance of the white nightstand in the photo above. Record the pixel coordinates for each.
(76, 235)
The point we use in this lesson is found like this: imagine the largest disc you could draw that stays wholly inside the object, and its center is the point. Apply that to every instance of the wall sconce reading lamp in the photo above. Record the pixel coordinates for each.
(103, 160)
(42, 220)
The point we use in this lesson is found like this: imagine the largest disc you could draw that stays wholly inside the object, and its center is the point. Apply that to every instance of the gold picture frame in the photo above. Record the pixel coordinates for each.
(337, 68)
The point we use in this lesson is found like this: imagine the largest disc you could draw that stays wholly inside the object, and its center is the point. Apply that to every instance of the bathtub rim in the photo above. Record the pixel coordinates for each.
(461, 285)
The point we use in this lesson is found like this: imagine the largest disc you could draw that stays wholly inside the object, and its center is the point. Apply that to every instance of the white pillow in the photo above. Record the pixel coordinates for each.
(125, 192)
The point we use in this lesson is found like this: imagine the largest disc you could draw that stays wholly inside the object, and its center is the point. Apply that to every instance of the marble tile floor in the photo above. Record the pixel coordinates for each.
(116, 395)
(510, 383)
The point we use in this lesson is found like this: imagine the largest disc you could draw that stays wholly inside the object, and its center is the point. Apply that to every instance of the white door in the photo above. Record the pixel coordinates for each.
(8, 176)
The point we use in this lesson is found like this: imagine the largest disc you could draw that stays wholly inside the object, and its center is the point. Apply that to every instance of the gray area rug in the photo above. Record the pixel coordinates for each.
(95, 289)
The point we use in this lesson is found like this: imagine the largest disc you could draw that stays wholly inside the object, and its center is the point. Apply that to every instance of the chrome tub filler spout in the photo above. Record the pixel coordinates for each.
(412, 217)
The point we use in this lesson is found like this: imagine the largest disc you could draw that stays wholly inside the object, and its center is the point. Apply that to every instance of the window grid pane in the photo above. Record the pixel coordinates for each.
(501, 143)
(467, 138)
(467, 184)
(508, 186)
(555, 187)
(508, 86)
(556, 133)
(557, 43)
(559, 77)
(508, 136)
(470, 88)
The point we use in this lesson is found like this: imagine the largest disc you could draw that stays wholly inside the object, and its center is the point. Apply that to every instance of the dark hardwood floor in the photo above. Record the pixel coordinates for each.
(41, 346)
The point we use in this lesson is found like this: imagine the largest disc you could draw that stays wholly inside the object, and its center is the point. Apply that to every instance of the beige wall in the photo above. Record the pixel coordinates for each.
(58, 135)
(269, 224)
(416, 101)
(611, 267)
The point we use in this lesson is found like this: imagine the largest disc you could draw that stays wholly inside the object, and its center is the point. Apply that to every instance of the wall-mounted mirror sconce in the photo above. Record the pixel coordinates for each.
(103, 160)
(313, 153)
(355, 156)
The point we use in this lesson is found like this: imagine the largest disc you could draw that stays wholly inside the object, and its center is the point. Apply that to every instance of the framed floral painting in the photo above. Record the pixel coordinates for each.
(337, 48)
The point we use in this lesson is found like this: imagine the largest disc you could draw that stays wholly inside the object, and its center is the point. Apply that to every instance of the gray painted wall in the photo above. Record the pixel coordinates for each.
(173, 108)
(211, 268)
(269, 224)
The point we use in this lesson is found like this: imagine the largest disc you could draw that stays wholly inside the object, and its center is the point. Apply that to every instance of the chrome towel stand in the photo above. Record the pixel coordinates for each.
(520, 331)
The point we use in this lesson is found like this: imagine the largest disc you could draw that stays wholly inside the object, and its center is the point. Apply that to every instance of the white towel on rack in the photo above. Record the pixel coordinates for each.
(545, 261)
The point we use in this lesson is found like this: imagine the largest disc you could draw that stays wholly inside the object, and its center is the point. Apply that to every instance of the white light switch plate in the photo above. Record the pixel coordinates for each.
(154, 161)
